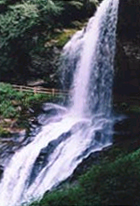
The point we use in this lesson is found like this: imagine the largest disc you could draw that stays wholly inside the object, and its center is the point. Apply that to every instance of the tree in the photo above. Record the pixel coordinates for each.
(18, 25)
(24, 24)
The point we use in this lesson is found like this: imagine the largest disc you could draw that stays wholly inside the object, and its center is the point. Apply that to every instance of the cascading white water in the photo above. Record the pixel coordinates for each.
(69, 134)
(98, 43)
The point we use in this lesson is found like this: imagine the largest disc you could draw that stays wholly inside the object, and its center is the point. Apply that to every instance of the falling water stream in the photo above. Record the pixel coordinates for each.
(70, 133)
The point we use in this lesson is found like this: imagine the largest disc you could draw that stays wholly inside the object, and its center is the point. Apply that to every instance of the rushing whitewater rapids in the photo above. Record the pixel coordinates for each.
(69, 134)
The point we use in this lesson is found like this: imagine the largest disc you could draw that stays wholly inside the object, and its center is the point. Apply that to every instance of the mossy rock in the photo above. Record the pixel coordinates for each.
(4, 132)
(62, 38)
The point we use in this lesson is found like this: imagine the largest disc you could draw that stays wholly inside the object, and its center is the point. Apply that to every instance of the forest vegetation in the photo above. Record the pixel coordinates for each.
(26, 26)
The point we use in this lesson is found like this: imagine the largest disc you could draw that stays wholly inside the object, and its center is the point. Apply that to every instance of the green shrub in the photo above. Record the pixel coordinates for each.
(115, 183)
(14, 104)
(3, 132)
(7, 95)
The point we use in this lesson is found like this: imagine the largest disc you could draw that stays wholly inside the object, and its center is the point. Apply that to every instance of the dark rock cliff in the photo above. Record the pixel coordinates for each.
(127, 76)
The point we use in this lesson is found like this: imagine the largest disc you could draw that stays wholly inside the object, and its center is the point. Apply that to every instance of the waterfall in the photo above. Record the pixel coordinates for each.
(71, 133)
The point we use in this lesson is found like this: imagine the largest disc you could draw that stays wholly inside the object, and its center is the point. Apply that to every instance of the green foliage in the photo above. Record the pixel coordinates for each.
(14, 104)
(77, 4)
(2, 2)
(16, 21)
(64, 37)
(3, 132)
(111, 183)
(70, 197)
(25, 26)
(134, 108)
(7, 110)
(15, 108)
(21, 17)
(95, 2)
(20, 24)
(51, 7)
(24, 15)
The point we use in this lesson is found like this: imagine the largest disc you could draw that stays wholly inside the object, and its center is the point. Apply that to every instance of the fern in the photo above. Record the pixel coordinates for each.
(77, 4)
(16, 21)
(95, 2)
(26, 9)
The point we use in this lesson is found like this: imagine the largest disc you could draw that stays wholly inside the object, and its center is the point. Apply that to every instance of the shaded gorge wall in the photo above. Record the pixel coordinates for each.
(127, 72)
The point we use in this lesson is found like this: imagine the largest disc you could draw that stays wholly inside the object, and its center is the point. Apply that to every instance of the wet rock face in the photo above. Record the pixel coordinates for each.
(127, 76)
(129, 19)
(127, 72)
